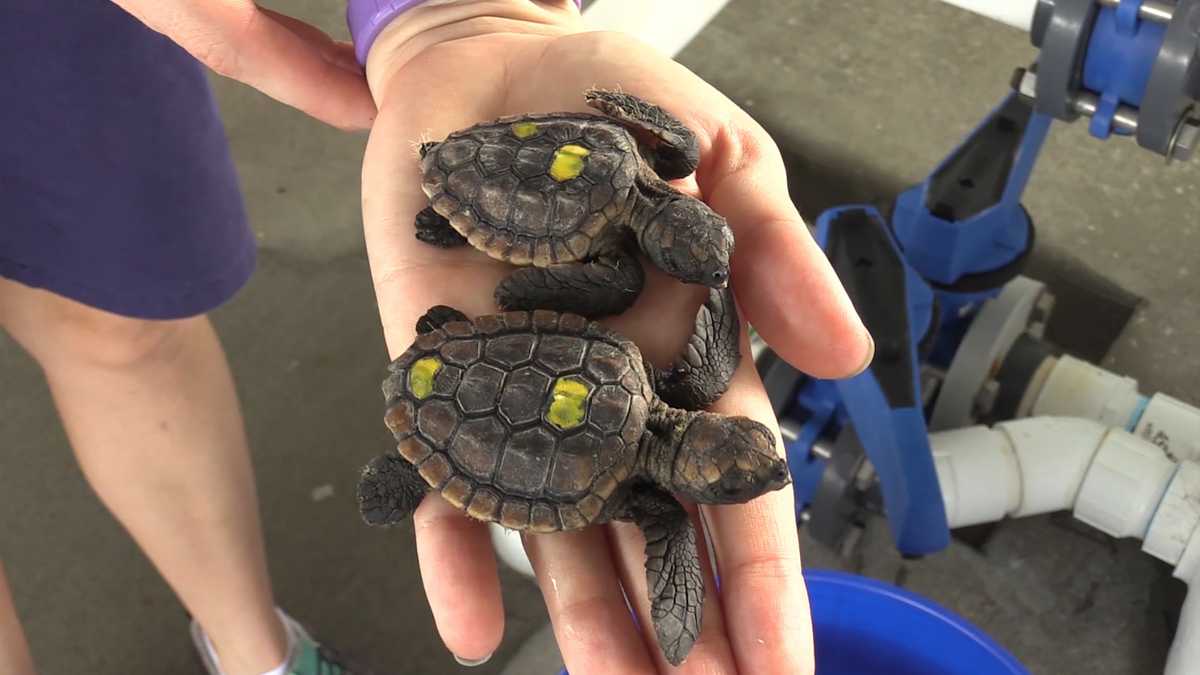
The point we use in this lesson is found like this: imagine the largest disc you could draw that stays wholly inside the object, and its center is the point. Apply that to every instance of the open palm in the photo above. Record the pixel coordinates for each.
(433, 81)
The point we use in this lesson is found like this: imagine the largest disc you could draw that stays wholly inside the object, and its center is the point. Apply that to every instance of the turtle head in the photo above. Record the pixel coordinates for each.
(688, 240)
(727, 460)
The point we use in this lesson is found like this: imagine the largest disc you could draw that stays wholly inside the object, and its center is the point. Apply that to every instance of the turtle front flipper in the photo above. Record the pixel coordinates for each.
(702, 373)
(605, 286)
(438, 316)
(390, 490)
(434, 229)
(673, 578)
(673, 149)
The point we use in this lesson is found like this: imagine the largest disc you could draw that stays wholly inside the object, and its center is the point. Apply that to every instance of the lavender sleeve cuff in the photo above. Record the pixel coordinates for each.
(367, 18)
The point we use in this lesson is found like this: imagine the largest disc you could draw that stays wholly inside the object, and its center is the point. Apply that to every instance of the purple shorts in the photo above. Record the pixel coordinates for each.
(116, 184)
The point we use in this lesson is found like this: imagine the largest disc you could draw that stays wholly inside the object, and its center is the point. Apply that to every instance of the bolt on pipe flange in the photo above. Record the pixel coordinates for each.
(1185, 138)
(1150, 10)
(1166, 106)
(1025, 83)
(1125, 119)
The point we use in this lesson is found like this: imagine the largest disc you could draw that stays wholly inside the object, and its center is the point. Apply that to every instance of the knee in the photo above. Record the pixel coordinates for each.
(70, 334)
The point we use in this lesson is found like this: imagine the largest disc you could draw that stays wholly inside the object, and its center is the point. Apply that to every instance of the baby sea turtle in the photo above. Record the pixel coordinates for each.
(567, 195)
(543, 421)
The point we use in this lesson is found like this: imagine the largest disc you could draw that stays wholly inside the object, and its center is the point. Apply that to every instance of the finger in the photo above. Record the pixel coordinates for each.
(458, 569)
(592, 623)
(711, 653)
(758, 559)
(338, 53)
(783, 280)
(240, 41)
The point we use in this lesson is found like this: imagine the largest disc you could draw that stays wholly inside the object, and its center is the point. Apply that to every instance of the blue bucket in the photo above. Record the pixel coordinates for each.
(866, 627)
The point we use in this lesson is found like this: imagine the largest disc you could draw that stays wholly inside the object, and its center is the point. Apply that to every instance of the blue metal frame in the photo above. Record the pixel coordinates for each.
(936, 250)
(826, 416)
(943, 250)
(896, 439)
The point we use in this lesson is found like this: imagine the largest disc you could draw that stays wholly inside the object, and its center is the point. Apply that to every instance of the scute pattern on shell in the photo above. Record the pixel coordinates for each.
(481, 436)
(495, 188)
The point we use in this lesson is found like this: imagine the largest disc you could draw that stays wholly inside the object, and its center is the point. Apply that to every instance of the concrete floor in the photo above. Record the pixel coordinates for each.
(864, 97)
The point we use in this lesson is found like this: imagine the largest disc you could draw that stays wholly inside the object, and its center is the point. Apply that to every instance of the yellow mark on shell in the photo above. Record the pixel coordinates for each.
(524, 129)
(568, 405)
(420, 376)
(568, 162)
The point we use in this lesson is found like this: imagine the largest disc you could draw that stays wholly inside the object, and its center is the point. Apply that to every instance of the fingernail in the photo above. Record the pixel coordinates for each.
(471, 663)
(870, 356)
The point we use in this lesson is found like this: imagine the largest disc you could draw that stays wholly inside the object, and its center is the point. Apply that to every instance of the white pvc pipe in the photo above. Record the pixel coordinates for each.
(1016, 13)
(1113, 480)
(1076, 388)
(1123, 489)
(1174, 524)
(1053, 454)
(1020, 468)
(1172, 425)
(966, 459)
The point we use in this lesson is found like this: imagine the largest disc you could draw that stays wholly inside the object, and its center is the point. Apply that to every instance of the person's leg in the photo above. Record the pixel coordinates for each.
(151, 411)
(14, 651)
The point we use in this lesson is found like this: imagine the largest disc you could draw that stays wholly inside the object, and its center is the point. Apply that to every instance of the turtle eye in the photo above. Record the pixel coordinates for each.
(720, 276)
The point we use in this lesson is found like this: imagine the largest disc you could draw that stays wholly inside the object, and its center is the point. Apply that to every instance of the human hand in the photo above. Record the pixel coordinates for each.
(283, 57)
(439, 68)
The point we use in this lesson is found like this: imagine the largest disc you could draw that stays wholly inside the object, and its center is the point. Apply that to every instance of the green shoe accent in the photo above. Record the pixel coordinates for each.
(311, 658)
(308, 657)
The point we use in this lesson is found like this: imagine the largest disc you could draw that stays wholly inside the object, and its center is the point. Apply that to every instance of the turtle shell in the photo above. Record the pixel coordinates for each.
(535, 189)
(528, 419)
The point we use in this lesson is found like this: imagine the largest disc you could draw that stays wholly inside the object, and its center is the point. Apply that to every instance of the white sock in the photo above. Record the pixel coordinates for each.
(212, 651)
(281, 669)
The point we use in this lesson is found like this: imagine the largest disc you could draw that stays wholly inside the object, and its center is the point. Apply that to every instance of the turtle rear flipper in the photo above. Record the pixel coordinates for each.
(702, 374)
(672, 149)
(673, 578)
(390, 490)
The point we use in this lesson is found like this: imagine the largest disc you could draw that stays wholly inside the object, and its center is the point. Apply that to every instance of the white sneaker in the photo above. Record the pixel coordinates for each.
(306, 656)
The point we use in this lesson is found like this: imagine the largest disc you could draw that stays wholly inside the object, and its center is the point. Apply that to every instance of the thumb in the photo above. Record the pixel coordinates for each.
(286, 59)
